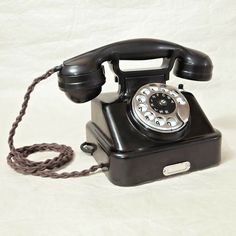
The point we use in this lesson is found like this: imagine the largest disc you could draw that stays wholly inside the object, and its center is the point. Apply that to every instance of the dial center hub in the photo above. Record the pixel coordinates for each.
(162, 103)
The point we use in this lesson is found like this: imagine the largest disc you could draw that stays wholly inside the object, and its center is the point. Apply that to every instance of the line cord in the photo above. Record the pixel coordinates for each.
(17, 157)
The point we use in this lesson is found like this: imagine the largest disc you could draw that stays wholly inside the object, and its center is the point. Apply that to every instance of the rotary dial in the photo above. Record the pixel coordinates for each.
(160, 107)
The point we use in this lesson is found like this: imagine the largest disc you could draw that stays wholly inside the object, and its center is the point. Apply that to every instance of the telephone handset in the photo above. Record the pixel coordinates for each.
(82, 77)
(147, 130)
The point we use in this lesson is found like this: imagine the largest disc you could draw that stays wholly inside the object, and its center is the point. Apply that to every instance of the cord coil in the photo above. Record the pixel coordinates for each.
(17, 157)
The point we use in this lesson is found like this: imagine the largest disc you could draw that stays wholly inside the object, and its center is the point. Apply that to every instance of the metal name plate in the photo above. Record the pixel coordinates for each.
(176, 168)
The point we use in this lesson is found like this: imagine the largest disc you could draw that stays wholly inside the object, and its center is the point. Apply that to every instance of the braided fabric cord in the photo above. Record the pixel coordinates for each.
(17, 158)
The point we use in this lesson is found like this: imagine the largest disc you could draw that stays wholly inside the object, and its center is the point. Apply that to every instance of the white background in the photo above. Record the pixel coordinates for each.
(36, 35)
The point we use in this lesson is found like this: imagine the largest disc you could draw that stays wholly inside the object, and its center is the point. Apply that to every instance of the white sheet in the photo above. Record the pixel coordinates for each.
(35, 35)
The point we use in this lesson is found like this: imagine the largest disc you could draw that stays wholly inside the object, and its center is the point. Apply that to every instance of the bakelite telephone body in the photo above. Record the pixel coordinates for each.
(147, 130)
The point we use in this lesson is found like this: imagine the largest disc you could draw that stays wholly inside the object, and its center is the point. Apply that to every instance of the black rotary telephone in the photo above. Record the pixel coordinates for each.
(147, 130)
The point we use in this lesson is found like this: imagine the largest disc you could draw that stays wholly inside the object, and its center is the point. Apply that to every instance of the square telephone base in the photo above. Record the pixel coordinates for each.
(135, 159)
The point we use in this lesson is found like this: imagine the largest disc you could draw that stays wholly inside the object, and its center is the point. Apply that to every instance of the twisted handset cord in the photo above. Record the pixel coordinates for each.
(17, 157)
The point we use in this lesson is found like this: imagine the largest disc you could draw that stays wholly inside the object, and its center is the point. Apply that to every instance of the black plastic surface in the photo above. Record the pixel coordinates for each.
(136, 158)
(136, 154)
(78, 73)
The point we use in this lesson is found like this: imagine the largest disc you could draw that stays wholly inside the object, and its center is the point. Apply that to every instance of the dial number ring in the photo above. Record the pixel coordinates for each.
(160, 107)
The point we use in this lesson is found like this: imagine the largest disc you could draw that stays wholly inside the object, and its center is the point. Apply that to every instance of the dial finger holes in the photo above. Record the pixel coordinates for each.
(173, 93)
(171, 121)
(159, 121)
(165, 90)
(154, 89)
(142, 107)
(180, 101)
(145, 91)
(141, 98)
(149, 116)
(160, 108)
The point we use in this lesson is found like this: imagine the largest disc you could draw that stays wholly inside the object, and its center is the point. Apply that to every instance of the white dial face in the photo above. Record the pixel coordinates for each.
(160, 107)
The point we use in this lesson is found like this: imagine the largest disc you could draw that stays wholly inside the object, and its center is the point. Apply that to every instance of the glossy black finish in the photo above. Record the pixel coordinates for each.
(85, 71)
(134, 156)
(82, 88)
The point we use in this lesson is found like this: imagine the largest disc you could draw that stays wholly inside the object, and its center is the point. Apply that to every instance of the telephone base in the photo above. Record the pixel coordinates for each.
(134, 157)
(138, 167)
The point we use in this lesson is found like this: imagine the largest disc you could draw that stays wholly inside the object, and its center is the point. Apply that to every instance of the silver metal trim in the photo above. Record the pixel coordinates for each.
(180, 114)
(176, 168)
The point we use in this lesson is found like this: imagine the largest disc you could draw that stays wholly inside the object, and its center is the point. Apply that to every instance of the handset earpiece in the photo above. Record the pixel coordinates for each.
(193, 65)
(80, 86)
